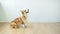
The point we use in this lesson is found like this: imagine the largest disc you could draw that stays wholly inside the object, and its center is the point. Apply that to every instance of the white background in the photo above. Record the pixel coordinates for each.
(39, 10)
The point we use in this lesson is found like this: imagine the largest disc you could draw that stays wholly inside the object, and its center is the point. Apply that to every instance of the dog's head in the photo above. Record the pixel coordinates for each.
(24, 11)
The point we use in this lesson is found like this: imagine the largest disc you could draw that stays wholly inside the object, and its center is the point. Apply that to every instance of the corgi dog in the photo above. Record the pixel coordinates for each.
(20, 20)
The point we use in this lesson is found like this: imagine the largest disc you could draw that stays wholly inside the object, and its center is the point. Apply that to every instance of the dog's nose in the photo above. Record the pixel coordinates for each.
(27, 11)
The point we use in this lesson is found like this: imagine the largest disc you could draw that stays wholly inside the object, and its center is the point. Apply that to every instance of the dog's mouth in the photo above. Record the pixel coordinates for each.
(27, 12)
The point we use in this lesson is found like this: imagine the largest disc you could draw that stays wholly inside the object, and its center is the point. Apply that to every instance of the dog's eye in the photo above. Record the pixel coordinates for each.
(22, 12)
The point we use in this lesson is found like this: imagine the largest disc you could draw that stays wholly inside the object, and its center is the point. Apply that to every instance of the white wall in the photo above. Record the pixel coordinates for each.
(40, 10)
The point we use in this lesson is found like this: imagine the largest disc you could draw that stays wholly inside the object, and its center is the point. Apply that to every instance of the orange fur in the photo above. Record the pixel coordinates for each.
(20, 20)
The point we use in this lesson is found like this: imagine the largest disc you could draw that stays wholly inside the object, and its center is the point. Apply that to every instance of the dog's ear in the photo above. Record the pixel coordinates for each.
(22, 11)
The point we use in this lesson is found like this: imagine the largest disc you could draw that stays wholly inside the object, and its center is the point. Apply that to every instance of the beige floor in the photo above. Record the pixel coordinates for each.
(33, 28)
